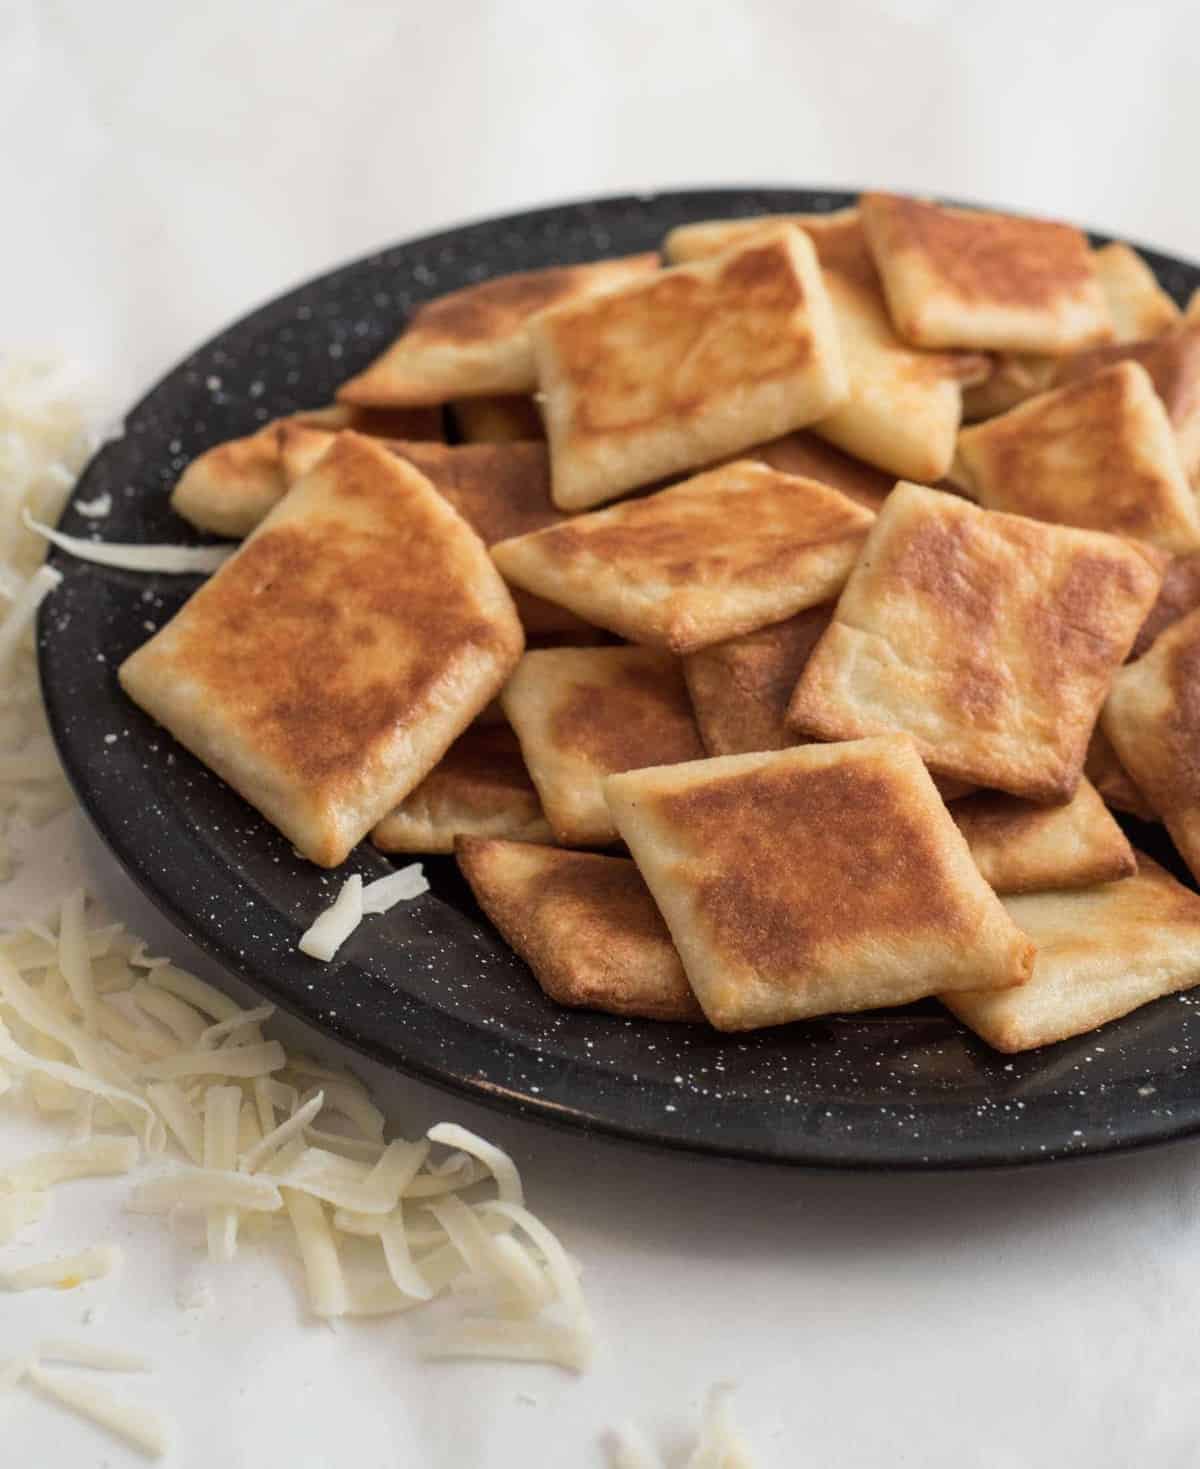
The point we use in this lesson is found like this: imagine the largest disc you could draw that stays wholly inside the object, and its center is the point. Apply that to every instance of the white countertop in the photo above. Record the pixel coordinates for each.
(166, 167)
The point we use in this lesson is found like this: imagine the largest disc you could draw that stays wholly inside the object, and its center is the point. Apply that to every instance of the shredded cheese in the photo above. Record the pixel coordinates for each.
(397, 887)
(204, 1188)
(496, 1160)
(330, 929)
(291, 1127)
(222, 1113)
(139, 1426)
(64, 1273)
(96, 1157)
(240, 1061)
(91, 1354)
(172, 560)
(181, 1118)
(319, 1252)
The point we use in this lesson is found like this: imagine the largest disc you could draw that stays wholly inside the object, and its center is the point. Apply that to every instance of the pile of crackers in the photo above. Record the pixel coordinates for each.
(829, 707)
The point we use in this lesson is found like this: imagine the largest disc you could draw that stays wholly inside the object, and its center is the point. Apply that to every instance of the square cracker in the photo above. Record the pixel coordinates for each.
(990, 638)
(905, 404)
(988, 282)
(476, 341)
(585, 924)
(500, 489)
(1101, 953)
(1173, 362)
(823, 878)
(1021, 847)
(1153, 720)
(582, 714)
(480, 787)
(230, 488)
(715, 556)
(1098, 453)
(327, 666)
(1138, 305)
(697, 363)
(740, 688)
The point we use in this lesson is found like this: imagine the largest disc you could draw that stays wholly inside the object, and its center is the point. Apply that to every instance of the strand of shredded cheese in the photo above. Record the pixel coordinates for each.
(91, 1354)
(96, 1157)
(203, 1188)
(139, 1426)
(496, 1160)
(173, 560)
(65, 1272)
(332, 927)
(318, 1250)
(397, 887)
(272, 1141)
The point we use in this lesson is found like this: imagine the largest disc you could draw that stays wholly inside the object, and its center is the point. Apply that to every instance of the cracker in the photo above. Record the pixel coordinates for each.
(480, 787)
(818, 879)
(476, 341)
(585, 924)
(720, 554)
(1098, 453)
(990, 638)
(1173, 362)
(500, 489)
(1153, 720)
(1138, 305)
(698, 363)
(988, 282)
(905, 405)
(740, 688)
(1021, 847)
(505, 419)
(229, 488)
(328, 665)
(582, 714)
(1102, 952)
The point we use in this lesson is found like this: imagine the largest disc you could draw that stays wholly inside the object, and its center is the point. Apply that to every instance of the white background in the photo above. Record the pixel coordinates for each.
(165, 166)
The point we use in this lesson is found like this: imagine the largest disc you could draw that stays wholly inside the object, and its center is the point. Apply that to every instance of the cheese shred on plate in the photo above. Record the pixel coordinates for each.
(145, 1064)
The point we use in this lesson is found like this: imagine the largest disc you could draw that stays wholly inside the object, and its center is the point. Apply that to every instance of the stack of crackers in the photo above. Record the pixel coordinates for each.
(746, 683)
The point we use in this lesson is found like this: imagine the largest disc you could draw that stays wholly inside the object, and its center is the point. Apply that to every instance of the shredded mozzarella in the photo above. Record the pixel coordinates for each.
(19, 617)
(222, 1113)
(95, 509)
(64, 1273)
(139, 1426)
(91, 1354)
(330, 929)
(172, 1104)
(204, 1188)
(319, 1252)
(172, 560)
(239, 1061)
(96, 1157)
(496, 1160)
(198, 994)
(290, 1128)
(397, 887)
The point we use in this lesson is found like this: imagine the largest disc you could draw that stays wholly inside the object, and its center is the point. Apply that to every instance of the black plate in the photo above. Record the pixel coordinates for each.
(430, 988)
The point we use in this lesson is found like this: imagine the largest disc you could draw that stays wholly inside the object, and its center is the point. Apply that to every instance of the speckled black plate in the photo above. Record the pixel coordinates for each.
(430, 988)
